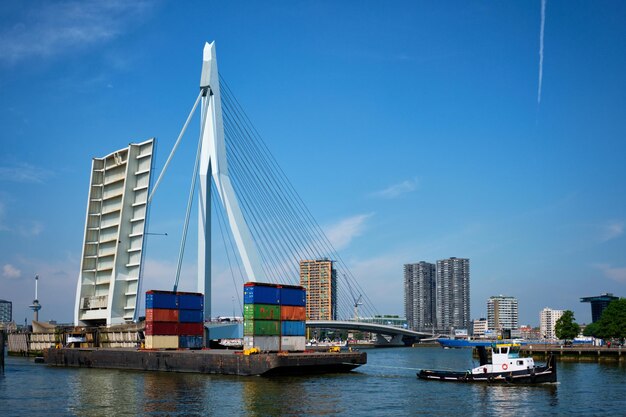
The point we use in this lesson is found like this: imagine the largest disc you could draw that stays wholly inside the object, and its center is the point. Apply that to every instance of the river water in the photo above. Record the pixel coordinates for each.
(386, 386)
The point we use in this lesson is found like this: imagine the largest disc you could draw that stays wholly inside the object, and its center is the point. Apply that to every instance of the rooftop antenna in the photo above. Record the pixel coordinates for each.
(36, 306)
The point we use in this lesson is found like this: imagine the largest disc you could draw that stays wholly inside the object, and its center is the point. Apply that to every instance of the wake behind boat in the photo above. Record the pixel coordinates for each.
(506, 367)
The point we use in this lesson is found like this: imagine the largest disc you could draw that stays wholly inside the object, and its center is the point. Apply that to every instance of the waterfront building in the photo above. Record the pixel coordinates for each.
(547, 321)
(6, 311)
(419, 295)
(479, 327)
(598, 304)
(529, 333)
(453, 294)
(319, 277)
(502, 313)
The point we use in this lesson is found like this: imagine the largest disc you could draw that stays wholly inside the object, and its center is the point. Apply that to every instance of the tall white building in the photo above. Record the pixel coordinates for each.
(547, 321)
(453, 294)
(502, 313)
(419, 295)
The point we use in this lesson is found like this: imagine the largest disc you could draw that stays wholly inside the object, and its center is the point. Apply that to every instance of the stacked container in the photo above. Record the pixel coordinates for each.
(174, 320)
(274, 317)
(293, 318)
(161, 320)
(190, 320)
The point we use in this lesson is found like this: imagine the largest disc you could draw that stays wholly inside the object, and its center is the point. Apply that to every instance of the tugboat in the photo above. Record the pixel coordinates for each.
(506, 367)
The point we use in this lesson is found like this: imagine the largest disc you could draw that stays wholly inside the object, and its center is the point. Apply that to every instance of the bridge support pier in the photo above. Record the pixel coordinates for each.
(385, 340)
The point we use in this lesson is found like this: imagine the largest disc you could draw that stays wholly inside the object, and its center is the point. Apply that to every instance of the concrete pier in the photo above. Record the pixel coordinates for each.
(222, 362)
(576, 353)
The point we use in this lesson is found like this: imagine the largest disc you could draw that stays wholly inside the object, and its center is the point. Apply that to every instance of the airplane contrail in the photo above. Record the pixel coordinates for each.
(543, 24)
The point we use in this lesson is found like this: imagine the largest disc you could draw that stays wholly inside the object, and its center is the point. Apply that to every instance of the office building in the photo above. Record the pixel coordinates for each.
(502, 313)
(319, 277)
(598, 304)
(453, 294)
(547, 321)
(419, 295)
(6, 311)
(479, 327)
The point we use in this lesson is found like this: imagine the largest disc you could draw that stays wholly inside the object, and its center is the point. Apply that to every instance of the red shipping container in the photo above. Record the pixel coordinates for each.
(161, 314)
(191, 329)
(292, 313)
(158, 328)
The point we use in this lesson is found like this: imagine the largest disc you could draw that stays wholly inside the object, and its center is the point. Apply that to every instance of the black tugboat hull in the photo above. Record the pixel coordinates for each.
(537, 375)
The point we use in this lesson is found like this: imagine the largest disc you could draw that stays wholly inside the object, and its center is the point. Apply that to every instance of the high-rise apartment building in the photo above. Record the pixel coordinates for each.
(419, 295)
(6, 312)
(502, 313)
(453, 294)
(547, 321)
(319, 277)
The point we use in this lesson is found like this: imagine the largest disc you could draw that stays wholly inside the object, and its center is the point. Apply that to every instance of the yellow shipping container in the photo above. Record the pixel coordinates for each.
(161, 342)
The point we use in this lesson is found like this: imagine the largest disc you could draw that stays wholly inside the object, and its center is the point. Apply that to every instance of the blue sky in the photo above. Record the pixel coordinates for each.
(419, 121)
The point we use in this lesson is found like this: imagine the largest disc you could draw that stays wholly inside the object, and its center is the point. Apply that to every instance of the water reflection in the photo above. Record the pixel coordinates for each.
(514, 400)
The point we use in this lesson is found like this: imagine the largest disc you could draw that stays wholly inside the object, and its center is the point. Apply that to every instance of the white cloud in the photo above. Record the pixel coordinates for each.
(341, 233)
(24, 173)
(616, 274)
(9, 271)
(612, 231)
(397, 190)
(54, 28)
(30, 228)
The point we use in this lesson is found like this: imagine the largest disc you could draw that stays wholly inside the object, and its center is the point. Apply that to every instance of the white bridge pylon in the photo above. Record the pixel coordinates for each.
(213, 164)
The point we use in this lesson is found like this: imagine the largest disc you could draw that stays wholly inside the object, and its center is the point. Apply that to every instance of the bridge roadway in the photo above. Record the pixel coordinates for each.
(395, 335)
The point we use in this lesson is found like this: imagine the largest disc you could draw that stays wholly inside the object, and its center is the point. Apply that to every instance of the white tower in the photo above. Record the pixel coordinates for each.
(213, 164)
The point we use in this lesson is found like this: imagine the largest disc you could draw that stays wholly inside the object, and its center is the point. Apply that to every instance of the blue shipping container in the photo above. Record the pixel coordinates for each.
(293, 328)
(190, 316)
(293, 297)
(190, 342)
(190, 301)
(261, 294)
(161, 300)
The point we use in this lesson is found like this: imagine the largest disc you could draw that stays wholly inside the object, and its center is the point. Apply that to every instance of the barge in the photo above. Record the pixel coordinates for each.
(222, 362)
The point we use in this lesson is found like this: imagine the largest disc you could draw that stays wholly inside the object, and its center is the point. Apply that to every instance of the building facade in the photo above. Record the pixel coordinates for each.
(547, 322)
(598, 304)
(419, 295)
(502, 313)
(479, 327)
(6, 311)
(319, 277)
(453, 294)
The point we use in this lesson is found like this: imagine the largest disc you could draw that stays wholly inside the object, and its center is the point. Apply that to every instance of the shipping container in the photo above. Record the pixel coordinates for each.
(261, 328)
(264, 343)
(161, 342)
(161, 314)
(154, 328)
(293, 296)
(190, 342)
(296, 313)
(191, 329)
(190, 316)
(261, 312)
(261, 294)
(293, 343)
(293, 328)
(161, 299)
(190, 301)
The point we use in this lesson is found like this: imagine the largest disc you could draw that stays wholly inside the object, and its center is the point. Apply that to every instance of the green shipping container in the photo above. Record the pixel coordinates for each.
(261, 327)
(261, 312)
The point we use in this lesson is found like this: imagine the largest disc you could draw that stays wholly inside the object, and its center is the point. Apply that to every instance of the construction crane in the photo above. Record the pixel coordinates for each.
(356, 300)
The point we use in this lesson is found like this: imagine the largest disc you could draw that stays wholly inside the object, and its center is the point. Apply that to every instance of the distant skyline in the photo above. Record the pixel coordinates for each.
(480, 130)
